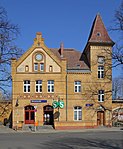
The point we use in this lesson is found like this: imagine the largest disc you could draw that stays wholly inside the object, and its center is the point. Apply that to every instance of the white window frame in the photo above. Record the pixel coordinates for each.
(77, 86)
(26, 86)
(77, 113)
(101, 95)
(38, 86)
(100, 72)
(50, 86)
(35, 66)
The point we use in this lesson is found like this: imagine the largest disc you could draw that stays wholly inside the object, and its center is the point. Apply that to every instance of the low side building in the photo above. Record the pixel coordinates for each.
(117, 112)
(5, 111)
(64, 87)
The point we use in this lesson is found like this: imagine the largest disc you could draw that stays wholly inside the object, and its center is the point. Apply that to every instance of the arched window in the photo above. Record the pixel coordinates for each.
(77, 113)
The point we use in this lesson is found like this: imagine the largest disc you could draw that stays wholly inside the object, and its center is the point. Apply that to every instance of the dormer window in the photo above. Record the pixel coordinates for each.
(98, 34)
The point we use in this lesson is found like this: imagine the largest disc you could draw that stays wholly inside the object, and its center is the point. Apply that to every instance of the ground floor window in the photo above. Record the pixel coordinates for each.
(77, 113)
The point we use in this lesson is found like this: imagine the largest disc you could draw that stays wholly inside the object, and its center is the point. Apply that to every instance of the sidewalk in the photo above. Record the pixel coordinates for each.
(4, 129)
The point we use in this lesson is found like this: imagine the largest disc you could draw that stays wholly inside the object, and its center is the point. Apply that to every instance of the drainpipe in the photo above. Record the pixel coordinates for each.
(66, 95)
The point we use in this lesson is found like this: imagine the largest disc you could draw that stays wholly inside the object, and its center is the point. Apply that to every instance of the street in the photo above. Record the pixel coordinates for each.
(63, 140)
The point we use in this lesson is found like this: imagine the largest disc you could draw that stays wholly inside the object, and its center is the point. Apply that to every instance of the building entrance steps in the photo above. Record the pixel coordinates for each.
(31, 127)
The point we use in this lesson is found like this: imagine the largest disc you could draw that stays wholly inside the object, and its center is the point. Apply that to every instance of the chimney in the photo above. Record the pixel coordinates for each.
(61, 49)
(38, 35)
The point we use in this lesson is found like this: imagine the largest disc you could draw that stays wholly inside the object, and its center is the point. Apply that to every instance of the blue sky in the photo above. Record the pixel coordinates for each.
(67, 21)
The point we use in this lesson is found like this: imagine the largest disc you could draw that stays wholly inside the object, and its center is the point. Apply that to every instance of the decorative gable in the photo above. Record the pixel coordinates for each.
(38, 59)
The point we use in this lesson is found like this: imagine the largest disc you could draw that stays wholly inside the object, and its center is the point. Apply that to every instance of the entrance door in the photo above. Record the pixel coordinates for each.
(48, 115)
(100, 118)
(29, 115)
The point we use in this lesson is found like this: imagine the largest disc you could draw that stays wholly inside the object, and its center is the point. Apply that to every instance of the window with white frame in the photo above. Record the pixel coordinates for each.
(77, 86)
(101, 95)
(50, 86)
(77, 113)
(26, 86)
(41, 67)
(100, 72)
(35, 66)
(38, 86)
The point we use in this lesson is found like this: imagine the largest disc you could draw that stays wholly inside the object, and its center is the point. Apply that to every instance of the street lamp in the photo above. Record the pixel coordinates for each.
(17, 103)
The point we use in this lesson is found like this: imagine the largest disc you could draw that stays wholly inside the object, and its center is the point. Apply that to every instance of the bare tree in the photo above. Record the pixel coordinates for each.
(117, 54)
(8, 49)
(117, 88)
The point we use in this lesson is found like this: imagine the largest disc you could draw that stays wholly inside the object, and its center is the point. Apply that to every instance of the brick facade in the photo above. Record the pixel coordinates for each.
(75, 80)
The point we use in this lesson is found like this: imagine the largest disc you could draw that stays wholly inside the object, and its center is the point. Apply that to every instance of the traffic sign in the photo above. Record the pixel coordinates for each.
(61, 104)
(55, 104)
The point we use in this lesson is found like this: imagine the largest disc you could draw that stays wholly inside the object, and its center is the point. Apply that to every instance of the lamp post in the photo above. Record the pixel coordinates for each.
(17, 113)
(35, 116)
(17, 103)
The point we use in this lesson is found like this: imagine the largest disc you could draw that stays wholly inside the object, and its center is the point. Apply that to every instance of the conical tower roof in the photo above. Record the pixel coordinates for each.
(98, 32)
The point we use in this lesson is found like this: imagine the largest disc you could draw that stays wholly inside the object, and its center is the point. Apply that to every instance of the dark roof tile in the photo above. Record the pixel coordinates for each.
(73, 58)
(98, 32)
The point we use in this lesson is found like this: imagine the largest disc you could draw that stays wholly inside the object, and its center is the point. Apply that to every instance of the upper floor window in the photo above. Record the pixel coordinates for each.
(100, 72)
(38, 62)
(101, 95)
(50, 68)
(27, 86)
(41, 67)
(77, 86)
(38, 86)
(101, 60)
(35, 66)
(50, 86)
(26, 68)
(77, 113)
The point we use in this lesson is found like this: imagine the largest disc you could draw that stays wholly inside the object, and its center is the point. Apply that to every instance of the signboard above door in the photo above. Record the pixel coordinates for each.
(38, 101)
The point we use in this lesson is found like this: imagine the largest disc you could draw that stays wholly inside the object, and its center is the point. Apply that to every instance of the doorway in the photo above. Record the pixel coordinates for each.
(29, 115)
(48, 118)
(100, 118)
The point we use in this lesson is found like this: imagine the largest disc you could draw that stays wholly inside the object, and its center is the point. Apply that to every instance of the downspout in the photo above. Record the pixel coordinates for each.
(66, 95)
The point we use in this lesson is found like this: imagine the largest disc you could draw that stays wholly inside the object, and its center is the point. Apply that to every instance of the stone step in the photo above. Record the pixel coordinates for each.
(38, 128)
(45, 127)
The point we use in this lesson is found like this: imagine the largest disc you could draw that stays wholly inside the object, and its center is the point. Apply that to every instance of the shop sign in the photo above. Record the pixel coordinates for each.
(38, 101)
(61, 104)
(89, 105)
(57, 104)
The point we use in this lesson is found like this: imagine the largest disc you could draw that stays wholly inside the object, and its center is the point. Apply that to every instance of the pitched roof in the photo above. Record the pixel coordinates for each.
(73, 58)
(98, 32)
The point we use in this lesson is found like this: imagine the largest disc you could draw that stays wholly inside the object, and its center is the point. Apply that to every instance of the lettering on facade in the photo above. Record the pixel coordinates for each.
(38, 101)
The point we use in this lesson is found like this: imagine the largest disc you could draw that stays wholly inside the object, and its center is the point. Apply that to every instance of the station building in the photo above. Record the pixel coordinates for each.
(63, 87)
